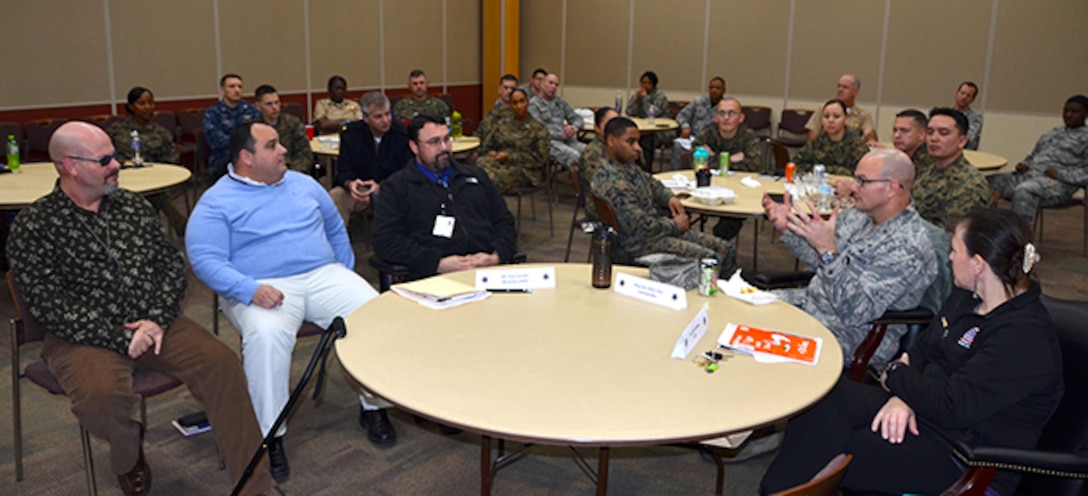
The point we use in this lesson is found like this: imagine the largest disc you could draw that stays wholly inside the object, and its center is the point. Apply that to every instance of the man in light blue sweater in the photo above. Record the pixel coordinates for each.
(270, 242)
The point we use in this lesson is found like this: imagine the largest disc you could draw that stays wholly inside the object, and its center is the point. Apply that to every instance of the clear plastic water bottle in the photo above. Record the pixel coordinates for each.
(824, 190)
(137, 148)
(619, 102)
(13, 153)
(650, 115)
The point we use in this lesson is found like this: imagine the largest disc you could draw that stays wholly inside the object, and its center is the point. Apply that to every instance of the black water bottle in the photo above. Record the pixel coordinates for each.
(601, 247)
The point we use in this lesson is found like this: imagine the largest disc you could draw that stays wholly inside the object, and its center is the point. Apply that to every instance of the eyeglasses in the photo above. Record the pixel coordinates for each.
(862, 181)
(104, 160)
(730, 114)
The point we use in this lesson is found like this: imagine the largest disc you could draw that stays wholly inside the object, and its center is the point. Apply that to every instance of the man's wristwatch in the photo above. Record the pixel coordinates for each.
(827, 257)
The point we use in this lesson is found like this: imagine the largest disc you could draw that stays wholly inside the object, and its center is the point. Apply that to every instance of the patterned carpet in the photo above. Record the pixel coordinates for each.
(328, 450)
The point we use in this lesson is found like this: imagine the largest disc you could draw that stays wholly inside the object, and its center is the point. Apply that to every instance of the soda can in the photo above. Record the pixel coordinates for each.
(708, 276)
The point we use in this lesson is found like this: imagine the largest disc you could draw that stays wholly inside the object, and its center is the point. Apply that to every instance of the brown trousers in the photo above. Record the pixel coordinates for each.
(99, 383)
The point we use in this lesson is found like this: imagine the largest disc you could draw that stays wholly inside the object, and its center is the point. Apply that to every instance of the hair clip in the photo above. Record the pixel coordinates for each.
(1031, 257)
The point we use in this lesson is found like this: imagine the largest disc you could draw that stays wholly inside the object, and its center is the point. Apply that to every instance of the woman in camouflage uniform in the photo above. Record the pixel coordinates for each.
(157, 141)
(515, 151)
(836, 147)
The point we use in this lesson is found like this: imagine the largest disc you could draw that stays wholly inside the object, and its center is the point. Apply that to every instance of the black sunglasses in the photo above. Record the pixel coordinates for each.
(103, 160)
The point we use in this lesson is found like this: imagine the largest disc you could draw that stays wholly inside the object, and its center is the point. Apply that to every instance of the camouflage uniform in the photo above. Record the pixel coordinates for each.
(944, 195)
(1063, 149)
(744, 141)
(491, 119)
(293, 137)
(219, 121)
(526, 144)
(553, 113)
(840, 158)
(409, 107)
(878, 267)
(974, 128)
(641, 206)
(921, 159)
(157, 144)
(857, 119)
(587, 167)
(697, 115)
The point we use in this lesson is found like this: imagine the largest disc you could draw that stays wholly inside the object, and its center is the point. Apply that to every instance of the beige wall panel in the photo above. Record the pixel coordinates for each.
(833, 37)
(463, 40)
(597, 43)
(174, 59)
(413, 40)
(60, 58)
(933, 45)
(344, 40)
(669, 41)
(1040, 55)
(541, 25)
(748, 44)
(264, 42)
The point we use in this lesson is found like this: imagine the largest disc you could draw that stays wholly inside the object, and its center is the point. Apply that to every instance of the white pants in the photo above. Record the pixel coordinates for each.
(268, 335)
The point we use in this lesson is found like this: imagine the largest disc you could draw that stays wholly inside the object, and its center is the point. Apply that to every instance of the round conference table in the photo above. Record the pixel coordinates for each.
(579, 366)
(985, 162)
(329, 144)
(34, 180)
(644, 126)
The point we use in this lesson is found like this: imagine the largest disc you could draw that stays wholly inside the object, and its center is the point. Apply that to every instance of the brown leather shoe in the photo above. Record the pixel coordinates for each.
(138, 480)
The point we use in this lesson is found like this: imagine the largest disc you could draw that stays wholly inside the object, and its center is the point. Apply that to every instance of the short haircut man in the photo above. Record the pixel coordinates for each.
(507, 84)
(651, 219)
(270, 243)
(699, 114)
(96, 271)
(731, 136)
(561, 120)
(291, 130)
(415, 204)
(220, 119)
(965, 96)
(535, 82)
(371, 150)
(1054, 170)
(419, 101)
(501, 110)
(909, 135)
(949, 187)
(857, 119)
(869, 259)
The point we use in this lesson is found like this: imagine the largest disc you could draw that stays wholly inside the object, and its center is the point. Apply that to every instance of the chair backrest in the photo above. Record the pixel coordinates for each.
(758, 119)
(448, 98)
(295, 110)
(39, 131)
(32, 330)
(794, 121)
(168, 120)
(1067, 430)
(825, 483)
(675, 106)
(11, 129)
(189, 120)
(203, 151)
(781, 157)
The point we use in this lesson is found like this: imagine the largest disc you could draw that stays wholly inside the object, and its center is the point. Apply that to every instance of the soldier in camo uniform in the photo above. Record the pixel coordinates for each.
(698, 114)
(560, 119)
(648, 97)
(834, 147)
(419, 102)
(731, 136)
(594, 156)
(157, 142)
(950, 187)
(1056, 168)
(501, 110)
(515, 151)
(292, 133)
(651, 219)
(868, 259)
(909, 136)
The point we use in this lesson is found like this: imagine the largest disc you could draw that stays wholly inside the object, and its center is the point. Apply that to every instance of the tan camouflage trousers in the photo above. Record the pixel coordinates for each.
(506, 176)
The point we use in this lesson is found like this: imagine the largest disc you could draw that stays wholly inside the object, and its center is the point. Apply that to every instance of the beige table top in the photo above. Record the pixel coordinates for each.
(981, 160)
(660, 124)
(749, 202)
(578, 365)
(329, 144)
(34, 180)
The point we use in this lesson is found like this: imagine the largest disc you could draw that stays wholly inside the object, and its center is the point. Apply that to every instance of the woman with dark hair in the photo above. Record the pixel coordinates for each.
(987, 370)
(838, 148)
(156, 142)
(333, 112)
(515, 151)
(648, 97)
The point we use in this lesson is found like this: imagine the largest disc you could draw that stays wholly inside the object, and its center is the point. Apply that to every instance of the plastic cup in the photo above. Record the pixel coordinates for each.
(310, 131)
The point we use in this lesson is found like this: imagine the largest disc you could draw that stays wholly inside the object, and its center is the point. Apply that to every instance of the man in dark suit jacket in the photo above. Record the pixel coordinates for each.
(370, 151)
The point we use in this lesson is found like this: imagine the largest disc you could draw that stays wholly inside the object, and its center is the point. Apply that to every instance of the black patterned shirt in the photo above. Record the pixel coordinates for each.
(84, 274)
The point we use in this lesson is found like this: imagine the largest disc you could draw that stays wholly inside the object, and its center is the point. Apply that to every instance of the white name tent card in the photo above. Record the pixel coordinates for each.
(691, 335)
(518, 278)
(658, 293)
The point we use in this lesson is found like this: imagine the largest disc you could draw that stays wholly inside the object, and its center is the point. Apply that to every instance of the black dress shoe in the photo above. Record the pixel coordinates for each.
(277, 458)
(138, 480)
(379, 430)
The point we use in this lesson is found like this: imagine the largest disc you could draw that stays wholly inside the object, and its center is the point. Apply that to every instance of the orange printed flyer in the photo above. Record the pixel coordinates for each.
(772, 346)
